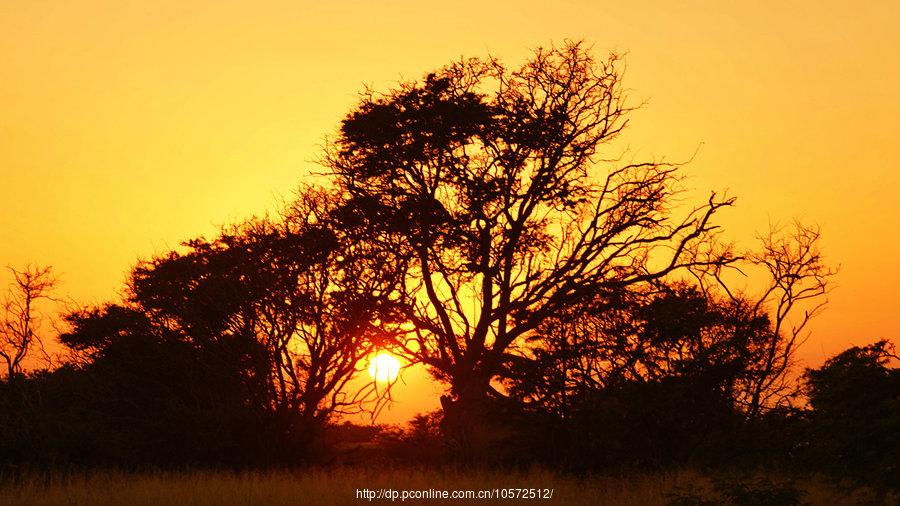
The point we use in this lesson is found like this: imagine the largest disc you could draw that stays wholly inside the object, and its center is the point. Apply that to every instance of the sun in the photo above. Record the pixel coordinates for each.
(384, 367)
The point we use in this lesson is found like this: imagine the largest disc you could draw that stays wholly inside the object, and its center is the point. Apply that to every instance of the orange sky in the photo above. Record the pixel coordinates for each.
(129, 126)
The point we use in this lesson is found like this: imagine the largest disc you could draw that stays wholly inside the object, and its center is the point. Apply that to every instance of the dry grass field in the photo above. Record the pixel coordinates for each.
(336, 486)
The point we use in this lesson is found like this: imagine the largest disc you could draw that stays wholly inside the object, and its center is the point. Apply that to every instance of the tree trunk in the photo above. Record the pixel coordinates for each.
(478, 427)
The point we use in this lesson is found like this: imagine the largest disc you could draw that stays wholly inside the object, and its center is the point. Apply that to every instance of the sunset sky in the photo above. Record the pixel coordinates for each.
(128, 126)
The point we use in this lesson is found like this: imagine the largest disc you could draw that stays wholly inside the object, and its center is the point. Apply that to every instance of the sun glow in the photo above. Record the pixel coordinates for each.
(384, 367)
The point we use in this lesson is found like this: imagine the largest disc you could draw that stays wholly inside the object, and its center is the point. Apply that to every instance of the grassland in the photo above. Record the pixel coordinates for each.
(336, 486)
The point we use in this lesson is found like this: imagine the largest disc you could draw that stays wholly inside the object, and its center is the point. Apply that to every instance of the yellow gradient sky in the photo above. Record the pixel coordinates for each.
(129, 126)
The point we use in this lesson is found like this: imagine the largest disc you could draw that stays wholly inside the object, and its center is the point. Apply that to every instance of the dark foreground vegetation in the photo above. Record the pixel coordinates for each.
(582, 317)
(339, 485)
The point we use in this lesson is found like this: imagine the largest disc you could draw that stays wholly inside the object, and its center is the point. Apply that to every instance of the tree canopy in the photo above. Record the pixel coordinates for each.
(492, 191)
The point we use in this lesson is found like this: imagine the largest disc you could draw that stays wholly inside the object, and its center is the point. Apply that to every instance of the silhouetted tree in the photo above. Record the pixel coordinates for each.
(670, 369)
(269, 320)
(302, 302)
(855, 415)
(20, 337)
(671, 331)
(798, 279)
(644, 378)
(21, 320)
(157, 397)
(683, 329)
(489, 188)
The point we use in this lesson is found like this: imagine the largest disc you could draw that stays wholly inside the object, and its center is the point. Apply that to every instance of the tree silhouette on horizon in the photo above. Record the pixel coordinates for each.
(492, 189)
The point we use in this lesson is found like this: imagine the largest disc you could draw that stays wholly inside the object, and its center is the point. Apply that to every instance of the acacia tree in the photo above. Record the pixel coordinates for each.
(671, 331)
(303, 298)
(854, 430)
(21, 319)
(798, 281)
(20, 336)
(489, 188)
(282, 302)
(744, 342)
(320, 335)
